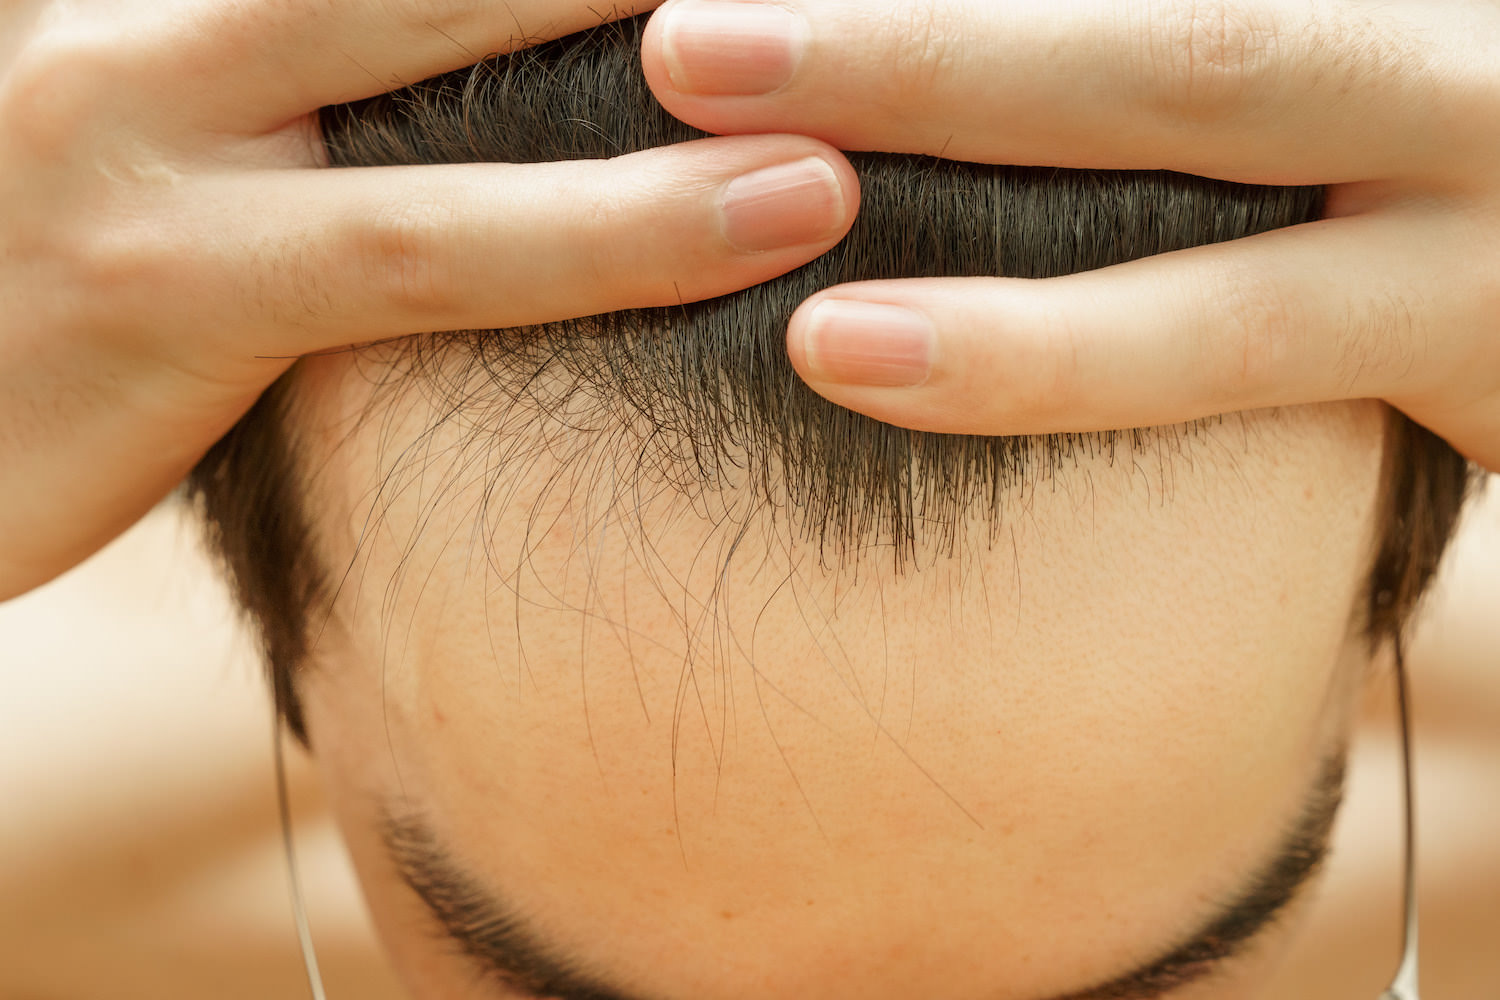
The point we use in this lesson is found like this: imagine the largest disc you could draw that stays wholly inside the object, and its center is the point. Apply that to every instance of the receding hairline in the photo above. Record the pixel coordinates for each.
(546, 103)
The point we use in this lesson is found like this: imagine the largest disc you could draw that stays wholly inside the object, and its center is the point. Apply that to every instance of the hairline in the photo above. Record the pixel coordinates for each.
(1165, 442)
(507, 109)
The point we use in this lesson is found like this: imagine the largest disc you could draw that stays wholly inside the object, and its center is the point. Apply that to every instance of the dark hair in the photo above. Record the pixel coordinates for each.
(705, 389)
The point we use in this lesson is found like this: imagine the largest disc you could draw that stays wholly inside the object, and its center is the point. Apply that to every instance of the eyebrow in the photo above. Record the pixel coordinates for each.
(506, 946)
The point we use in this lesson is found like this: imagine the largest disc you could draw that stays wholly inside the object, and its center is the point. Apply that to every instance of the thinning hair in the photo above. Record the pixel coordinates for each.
(706, 390)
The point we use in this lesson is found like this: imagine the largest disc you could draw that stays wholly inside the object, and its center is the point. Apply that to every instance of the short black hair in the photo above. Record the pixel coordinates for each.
(706, 389)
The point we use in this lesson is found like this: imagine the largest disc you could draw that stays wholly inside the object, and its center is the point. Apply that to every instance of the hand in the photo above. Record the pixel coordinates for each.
(1396, 294)
(168, 247)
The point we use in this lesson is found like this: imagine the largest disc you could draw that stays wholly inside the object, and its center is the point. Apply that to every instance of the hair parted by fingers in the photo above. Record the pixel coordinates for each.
(706, 390)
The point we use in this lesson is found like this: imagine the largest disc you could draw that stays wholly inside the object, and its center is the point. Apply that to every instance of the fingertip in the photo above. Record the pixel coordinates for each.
(652, 61)
(861, 344)
(712, 216)
(709, 66)
(807, 200)
(658, 69)
(901, 352)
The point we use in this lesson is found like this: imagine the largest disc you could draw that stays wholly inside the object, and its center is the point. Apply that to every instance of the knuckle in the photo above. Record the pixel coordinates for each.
(1051, 352)
(617, 262)
(119, 273)
(109, 261)
(405, 249)
(1262, 328)
(1062, 372)
(1207, 57)
(925, 52)
(615, 239)
(56, 89)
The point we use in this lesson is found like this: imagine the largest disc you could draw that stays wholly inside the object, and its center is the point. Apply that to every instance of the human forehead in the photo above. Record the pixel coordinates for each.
(1254, 533)
(1150, 649)
(1178, 598)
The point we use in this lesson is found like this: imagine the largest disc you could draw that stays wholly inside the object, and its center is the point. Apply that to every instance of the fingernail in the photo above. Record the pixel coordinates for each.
(782, 206)
(722, 47)
(861, 343)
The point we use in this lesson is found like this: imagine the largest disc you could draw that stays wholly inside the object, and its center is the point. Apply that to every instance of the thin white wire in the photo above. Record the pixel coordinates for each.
(1404, 984)
(299, 911)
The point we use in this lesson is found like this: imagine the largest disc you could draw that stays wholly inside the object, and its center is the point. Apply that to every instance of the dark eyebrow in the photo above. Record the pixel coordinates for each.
(1265, 896)
(506, 946)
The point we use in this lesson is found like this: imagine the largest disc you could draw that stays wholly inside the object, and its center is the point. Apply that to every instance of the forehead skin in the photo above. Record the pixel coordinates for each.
(719, 769)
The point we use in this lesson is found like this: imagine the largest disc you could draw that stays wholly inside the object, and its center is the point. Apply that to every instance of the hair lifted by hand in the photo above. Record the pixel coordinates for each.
(703, 394)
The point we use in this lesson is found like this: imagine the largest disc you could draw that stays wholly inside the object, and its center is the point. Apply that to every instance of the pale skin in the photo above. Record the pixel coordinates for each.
(1011, 775)
(169, 245)
(171, 248)
(84, 915)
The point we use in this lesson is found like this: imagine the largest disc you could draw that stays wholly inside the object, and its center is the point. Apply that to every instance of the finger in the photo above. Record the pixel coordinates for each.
(1267, 91)
(264, 63)
(322, 259)
(1306, 314)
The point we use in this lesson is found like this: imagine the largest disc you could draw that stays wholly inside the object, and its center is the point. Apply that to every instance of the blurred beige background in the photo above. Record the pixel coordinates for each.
(140, 850)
